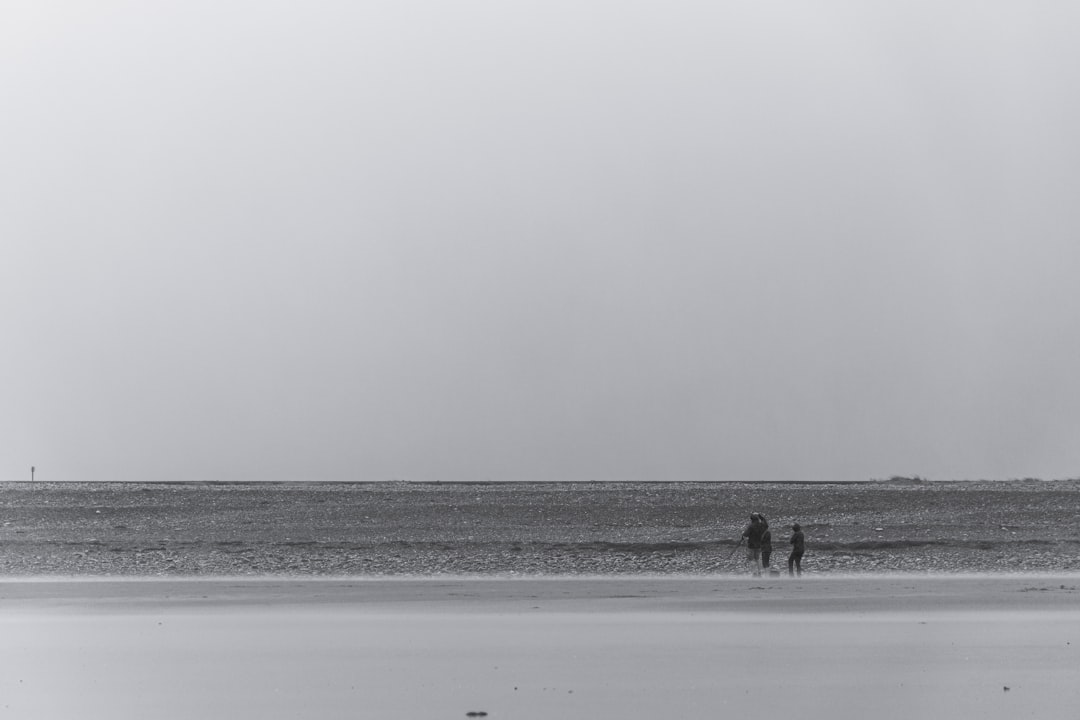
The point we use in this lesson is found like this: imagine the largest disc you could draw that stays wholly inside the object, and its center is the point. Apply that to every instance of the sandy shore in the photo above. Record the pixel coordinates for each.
(817, 647)
(722, 593)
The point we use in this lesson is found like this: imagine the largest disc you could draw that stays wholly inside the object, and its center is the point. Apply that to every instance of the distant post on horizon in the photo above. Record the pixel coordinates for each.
(32, 473)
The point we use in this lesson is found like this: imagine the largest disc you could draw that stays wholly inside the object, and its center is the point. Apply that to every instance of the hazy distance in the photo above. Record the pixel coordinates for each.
(539, 240)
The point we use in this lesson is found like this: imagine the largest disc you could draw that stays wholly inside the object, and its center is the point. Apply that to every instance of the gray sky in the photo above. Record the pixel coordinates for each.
(551, 240)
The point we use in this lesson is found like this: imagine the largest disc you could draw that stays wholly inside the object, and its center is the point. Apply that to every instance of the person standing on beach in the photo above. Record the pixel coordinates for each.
(752, 533)
(798, 547)
(766, 543)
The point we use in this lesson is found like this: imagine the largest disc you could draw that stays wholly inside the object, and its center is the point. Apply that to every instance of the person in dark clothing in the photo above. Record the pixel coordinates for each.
(798, 547)
(766, 543)
(753, 533)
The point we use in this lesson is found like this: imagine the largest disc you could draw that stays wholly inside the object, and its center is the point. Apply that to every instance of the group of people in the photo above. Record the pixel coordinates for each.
(758, 539)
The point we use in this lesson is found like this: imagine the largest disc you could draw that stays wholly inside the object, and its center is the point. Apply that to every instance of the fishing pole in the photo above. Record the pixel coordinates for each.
(737, 546)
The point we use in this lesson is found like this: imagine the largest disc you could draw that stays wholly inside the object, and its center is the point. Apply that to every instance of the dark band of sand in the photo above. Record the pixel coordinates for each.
(860, 593)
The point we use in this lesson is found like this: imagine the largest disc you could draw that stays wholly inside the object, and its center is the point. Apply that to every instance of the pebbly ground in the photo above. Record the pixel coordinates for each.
(380, 529)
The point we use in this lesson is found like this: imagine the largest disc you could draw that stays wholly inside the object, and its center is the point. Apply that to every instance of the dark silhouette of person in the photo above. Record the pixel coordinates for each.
(752, 533)
(798, 547)
(766, 543)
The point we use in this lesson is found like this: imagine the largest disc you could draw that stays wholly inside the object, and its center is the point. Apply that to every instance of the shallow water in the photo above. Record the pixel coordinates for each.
(397, 529)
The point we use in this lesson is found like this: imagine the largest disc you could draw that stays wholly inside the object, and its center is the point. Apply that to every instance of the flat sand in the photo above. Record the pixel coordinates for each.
(712, 647)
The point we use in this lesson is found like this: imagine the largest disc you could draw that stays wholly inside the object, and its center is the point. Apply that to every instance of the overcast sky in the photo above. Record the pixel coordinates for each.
(550, 240)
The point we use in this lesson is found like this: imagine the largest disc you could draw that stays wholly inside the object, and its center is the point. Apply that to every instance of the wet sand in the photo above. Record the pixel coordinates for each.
(822, 647)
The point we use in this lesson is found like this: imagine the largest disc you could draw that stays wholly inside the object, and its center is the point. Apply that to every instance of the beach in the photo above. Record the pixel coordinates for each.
(902, 646)
(538, 600)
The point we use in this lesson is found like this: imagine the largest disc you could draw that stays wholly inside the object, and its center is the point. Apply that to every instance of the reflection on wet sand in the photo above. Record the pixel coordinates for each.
(905, 647)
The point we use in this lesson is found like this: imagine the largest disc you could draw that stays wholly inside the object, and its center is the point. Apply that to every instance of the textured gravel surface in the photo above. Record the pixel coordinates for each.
(378, 529)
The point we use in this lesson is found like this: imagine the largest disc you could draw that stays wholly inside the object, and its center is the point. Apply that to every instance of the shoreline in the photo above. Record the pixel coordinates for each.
(900, 481)
(893, 592)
